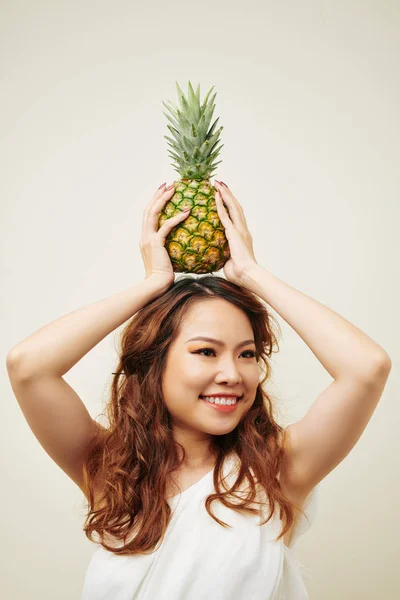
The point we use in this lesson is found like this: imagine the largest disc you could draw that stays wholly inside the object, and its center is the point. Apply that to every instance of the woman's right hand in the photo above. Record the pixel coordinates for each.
(152, 244)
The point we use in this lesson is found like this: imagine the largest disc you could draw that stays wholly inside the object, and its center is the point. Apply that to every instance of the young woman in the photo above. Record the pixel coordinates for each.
(194, 491)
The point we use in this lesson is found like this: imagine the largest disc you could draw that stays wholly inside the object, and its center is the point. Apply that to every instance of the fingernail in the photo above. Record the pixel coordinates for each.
(224, 184)
(162, 185)
(170, 187)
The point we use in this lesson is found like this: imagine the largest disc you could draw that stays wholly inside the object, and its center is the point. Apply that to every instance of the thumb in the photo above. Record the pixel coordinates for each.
(170, 223)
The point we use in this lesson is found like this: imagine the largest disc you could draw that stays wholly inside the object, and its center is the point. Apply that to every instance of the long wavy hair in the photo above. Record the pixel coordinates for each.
(129, 463)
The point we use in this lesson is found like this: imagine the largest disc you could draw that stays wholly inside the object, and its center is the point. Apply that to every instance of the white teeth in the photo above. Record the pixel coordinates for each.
(215, 400)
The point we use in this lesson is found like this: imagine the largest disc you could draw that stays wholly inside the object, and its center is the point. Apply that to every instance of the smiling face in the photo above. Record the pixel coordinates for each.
(228, 368)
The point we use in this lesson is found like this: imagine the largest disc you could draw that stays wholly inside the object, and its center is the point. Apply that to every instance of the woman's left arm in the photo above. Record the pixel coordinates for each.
(342, 349)
(317, 443)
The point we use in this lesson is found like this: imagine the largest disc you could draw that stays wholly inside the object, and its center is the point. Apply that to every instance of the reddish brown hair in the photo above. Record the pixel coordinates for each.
(129, 462)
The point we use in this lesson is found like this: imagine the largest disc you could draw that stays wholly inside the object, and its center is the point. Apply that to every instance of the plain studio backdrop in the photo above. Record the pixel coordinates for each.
(308, 95)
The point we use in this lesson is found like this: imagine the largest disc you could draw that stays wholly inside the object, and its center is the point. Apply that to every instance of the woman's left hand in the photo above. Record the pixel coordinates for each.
(240, 241)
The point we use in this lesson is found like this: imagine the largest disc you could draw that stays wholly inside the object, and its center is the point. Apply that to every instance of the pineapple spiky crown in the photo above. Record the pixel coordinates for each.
(194, 147)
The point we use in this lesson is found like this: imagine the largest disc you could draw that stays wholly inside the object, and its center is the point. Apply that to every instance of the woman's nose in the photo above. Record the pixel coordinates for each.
(229, 375)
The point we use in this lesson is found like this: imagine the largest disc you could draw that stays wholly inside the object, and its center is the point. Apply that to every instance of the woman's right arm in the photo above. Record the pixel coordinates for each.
(53, 410)
(57, 347)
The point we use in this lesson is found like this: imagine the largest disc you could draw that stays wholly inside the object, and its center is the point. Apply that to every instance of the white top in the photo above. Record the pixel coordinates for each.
(200, 559)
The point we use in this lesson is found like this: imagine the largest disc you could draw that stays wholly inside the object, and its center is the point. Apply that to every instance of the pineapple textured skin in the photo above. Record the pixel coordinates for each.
(198, 244)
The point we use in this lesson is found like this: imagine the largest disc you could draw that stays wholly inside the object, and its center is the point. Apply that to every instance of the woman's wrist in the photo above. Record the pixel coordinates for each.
(159, 284)
(251, 275)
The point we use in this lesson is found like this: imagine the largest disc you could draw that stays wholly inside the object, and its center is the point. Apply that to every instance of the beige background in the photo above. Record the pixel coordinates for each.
(308, 94)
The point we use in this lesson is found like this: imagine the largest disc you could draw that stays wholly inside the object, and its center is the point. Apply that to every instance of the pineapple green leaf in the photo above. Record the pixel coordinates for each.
(216, 152)
(206, 98)
(178, 164)
(187, 144)
(172, 143)
(215, 138)
(217, 163)
(176, 148)
(213, 127)
(173, 155)
(177, 160)
(198, 94)
(207, 121)
(175, 133)
(204, 148)
(172, 109)
(171, 120)
(201, 129)
(209, 114)
(193, 103)
(182, 99)
(192, 111)
(183, 120)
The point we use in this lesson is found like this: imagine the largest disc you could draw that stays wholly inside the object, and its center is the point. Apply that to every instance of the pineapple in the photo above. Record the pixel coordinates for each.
(197, 244)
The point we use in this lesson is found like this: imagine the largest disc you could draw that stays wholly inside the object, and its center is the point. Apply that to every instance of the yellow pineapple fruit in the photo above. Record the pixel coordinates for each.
(197, 244)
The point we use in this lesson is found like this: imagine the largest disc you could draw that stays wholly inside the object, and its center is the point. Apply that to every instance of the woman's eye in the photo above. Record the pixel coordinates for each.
(249, 352)
(204, 350)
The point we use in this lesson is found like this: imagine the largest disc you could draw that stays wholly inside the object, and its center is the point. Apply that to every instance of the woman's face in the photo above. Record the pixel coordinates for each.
(228, 367)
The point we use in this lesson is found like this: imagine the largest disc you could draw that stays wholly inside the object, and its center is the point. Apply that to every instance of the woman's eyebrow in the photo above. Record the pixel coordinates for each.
(218, 342)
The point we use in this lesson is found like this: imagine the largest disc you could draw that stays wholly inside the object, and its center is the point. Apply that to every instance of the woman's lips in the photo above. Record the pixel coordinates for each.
(222, 396)
(222, 407)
